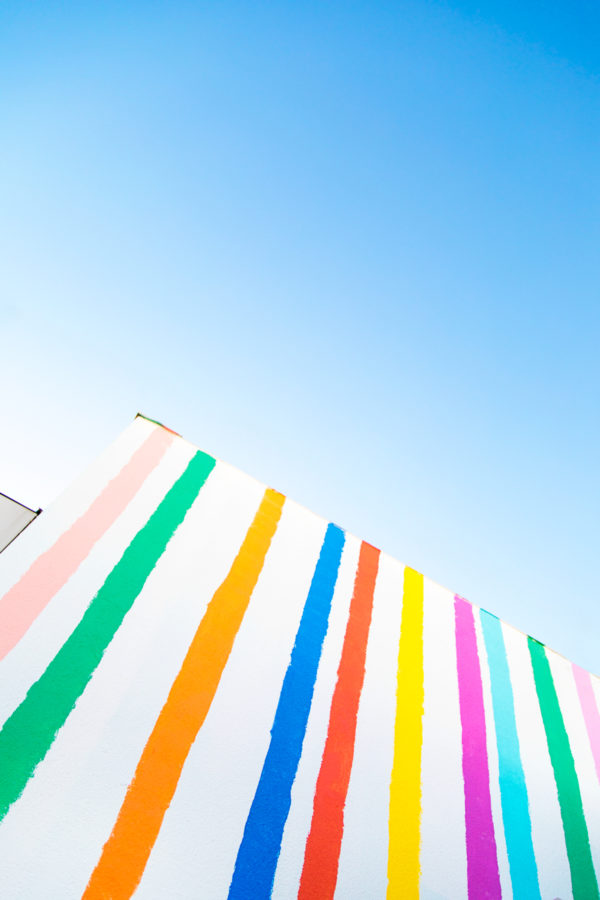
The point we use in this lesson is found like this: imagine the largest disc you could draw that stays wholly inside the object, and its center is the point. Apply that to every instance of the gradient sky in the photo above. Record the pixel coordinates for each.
(349, 247)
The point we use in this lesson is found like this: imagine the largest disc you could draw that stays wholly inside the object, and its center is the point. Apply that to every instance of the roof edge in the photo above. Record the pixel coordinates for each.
(140, 415)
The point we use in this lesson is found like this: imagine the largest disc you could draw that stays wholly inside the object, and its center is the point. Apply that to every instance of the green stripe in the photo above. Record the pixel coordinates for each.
(29, 732)
(583, 876)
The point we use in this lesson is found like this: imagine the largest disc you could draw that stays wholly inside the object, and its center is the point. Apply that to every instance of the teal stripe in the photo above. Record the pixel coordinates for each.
(29, 732)
(583, 875)
(513, 790)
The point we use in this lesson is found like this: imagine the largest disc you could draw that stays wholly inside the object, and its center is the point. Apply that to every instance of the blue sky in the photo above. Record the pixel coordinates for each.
(351, 248)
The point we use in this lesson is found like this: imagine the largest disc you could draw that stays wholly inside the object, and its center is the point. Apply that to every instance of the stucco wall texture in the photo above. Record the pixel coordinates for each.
(209, 692)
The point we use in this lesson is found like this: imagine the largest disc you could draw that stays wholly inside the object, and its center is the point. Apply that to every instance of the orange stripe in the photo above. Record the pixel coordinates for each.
(126, 852)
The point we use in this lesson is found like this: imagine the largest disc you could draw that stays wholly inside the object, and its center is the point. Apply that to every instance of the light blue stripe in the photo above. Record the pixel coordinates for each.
(258, 854)
(513, 790)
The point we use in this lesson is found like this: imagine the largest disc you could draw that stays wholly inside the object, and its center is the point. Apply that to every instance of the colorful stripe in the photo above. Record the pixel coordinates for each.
(483, 877)
(583, 876)
(405, 787)
(513, 790)
(319, 873)
(23, 603)
(29, 732)
(589, 708)
(261, 843)
(150, 793)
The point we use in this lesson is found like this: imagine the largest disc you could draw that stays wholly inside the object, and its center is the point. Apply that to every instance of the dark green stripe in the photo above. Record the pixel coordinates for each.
(583, 876)
(28, 734)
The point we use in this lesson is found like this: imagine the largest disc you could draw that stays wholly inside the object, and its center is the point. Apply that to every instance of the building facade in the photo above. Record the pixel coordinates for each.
(207, 691)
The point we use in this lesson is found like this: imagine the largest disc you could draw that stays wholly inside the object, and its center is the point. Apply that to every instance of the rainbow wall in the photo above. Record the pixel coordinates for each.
(208, 692)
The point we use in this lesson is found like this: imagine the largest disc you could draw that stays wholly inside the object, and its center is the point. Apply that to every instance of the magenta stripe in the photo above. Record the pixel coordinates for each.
(483, 878)
(23, 603)
(589, 707)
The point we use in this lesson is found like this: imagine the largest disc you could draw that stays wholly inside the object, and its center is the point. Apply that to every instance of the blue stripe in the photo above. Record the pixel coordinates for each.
(513, 790)
(257, 857)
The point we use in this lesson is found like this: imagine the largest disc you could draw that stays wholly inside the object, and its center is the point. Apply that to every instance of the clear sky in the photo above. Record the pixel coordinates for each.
(349, 247)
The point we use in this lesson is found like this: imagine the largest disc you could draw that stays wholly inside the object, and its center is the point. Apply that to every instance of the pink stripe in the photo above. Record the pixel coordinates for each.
(23, 603)
(483, 878)
(589, 707)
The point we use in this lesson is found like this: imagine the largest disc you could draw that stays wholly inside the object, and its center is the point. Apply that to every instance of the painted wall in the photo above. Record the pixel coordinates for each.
(208, 692)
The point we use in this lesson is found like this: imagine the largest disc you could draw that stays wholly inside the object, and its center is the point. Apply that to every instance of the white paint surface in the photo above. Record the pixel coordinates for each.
(443, 851)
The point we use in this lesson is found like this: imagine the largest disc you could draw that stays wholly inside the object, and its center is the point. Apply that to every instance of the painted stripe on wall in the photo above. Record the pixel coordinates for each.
(493, 762)
(21, 605)
(568, 701)
(29, 732)
(259, 851)
(405, 786)
(126, 852)
(297, 825)
(544, 809)
(589, 708)
(362, 870)
(583, 876)
(70, 504)
(319, 873)
(483, 877)
(513, 790)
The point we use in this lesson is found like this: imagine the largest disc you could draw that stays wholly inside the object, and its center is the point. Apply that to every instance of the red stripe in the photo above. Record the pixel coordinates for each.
(319, 873)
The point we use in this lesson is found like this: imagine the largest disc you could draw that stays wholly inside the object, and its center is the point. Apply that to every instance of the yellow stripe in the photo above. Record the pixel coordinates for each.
(405, 787)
